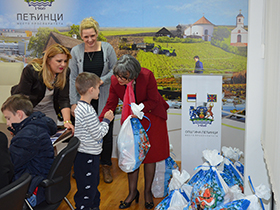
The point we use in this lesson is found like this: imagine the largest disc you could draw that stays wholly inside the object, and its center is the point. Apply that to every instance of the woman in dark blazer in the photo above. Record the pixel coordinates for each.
(46, 82)
(144, 85)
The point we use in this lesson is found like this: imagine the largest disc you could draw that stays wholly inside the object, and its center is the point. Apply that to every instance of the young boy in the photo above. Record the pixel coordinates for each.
(90, 132)
(31, 148)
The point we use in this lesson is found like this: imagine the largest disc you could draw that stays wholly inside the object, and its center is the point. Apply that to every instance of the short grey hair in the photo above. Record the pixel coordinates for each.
(127, 64)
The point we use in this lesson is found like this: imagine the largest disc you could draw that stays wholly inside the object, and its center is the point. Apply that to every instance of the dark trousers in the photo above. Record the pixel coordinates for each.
(107, 146)
(86, 169)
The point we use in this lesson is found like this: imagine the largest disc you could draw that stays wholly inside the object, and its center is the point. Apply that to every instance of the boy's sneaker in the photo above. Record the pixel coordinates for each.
(32, 200)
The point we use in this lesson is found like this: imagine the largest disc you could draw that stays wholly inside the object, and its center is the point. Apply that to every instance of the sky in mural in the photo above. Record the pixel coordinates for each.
(130, 13)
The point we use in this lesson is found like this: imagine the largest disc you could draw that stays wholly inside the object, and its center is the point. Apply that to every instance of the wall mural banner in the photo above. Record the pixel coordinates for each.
(201, 118)
(169, 38)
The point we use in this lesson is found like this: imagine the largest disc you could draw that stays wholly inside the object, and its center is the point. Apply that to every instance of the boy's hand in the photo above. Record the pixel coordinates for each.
(109, 115)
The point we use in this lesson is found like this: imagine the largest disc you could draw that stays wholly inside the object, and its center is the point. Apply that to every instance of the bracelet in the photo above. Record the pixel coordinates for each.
(67, 121)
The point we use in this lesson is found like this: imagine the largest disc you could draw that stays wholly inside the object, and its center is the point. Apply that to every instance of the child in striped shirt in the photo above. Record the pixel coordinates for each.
(90, 132)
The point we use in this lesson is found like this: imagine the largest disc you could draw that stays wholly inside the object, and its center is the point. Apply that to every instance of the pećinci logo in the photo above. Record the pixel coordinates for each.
(202, 115)
(39, 4)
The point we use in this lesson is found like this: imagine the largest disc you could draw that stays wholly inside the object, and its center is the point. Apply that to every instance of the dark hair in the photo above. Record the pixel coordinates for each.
(127, 64)
(18, 102)
(86, 80)
(196, 57)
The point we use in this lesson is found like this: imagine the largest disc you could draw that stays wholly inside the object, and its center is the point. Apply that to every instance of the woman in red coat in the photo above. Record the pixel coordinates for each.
(127, 71)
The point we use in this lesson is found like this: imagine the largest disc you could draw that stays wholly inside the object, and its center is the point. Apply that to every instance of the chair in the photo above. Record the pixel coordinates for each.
(12, 196)
(57, 185)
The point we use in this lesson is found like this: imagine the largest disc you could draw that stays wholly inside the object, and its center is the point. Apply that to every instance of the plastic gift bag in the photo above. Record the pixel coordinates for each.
(240, 167)
(241, 204)
(177, 197)
(174, 199)
(163, 176)
(231, 175)
(234, 154)
(209, 188)
(133, 145)
(260, 192)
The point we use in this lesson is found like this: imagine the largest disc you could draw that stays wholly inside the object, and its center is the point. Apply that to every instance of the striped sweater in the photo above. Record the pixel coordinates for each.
(89, 129)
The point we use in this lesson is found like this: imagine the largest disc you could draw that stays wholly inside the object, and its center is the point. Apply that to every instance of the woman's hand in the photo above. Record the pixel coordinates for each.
(69, 126)
(66, 119)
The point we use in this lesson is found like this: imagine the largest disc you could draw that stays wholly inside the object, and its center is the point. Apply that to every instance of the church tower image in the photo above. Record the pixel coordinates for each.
(239, 35)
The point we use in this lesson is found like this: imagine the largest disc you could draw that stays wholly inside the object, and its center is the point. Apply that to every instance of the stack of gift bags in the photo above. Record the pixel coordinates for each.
(216, 184)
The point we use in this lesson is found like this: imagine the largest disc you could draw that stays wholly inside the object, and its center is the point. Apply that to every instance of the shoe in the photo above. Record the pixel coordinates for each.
(149, 205)
(125, 205)
(107, 174)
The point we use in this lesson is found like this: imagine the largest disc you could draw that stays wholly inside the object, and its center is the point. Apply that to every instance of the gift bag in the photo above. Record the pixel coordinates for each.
(240, 167)
(133, 144)
(256, 200)
(209, 189)
(241, 204)
(231, 175)
(174, 199)
(177, 196)
(234, 154)
(163, 176)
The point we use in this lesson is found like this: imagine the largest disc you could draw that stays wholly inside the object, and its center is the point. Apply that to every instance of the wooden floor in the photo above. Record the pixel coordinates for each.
(113, 193)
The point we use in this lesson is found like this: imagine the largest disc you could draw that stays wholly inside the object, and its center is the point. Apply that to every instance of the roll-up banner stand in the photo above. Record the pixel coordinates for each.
(201, 118)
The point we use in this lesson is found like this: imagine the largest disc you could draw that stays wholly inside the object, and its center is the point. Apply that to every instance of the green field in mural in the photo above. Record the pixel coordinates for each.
(215, 60)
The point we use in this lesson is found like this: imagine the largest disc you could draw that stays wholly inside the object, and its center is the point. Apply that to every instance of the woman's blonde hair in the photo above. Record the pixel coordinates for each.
(41, 65)
(88, 23)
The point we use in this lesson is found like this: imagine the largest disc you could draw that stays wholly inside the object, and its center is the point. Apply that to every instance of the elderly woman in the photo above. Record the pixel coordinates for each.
(96, 57)
(128, 72)
(46, 82)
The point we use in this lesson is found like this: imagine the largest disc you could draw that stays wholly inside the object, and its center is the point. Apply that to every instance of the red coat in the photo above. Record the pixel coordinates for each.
(155, 109)
(146, 93)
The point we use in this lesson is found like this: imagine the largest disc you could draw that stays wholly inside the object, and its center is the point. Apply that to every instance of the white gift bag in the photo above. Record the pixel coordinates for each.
(133, 144)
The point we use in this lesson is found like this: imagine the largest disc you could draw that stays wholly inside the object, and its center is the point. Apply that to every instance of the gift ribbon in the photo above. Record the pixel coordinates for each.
(206, 166)
(255, 192)
(146, 118)
(149, 124)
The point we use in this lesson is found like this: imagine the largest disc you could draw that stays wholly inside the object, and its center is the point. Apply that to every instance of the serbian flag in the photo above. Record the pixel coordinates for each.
(191, 97)
(211, 97)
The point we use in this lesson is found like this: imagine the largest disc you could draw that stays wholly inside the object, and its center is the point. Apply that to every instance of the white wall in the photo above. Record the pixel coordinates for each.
(254, 162)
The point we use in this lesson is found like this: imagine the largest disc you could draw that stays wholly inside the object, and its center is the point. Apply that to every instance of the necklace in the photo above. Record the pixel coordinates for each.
(53, 82)
(90, 57)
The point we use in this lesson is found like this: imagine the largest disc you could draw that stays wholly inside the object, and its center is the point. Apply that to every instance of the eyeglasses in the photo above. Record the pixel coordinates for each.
(121, 77)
